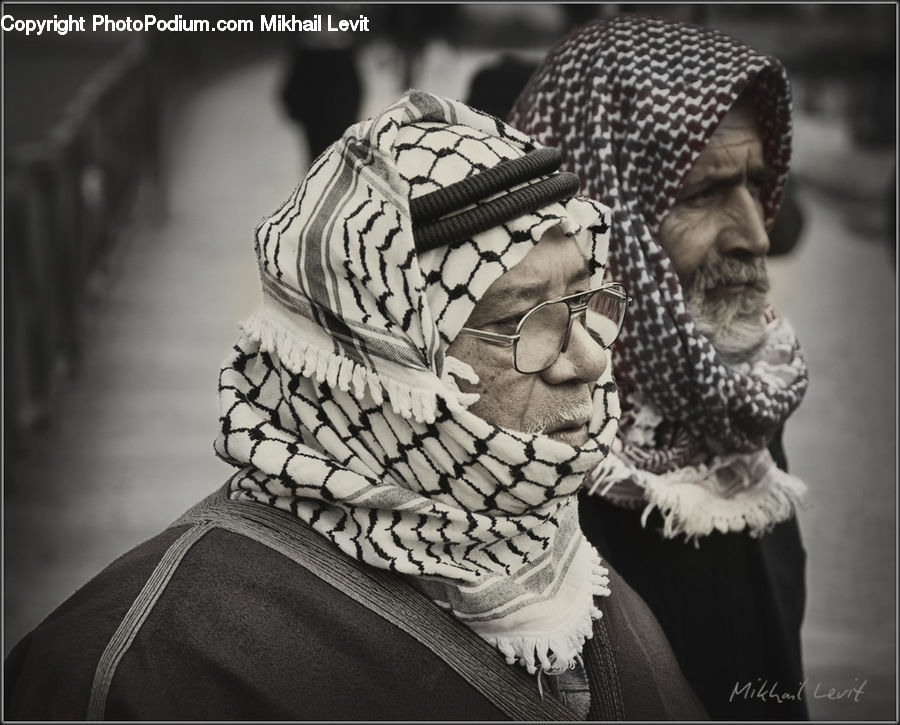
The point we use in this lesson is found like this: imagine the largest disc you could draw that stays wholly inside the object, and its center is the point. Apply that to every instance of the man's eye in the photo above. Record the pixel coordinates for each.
(507, 325)
(759, 179)
(698, 197)
(756, 186)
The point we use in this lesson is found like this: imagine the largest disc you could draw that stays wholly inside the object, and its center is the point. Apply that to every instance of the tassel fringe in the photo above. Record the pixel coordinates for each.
(691, 507)
(694, 512)
(307, 359)
(559, 651)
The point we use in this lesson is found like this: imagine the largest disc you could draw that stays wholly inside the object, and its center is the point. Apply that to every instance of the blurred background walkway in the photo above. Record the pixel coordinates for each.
(120, 441)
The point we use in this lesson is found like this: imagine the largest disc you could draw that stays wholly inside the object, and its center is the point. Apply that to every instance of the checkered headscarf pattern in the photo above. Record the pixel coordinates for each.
(340, 405)
(631, 102)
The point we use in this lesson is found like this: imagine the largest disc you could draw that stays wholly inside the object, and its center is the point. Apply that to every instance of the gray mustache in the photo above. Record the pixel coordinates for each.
(721, 271)
(582, 411)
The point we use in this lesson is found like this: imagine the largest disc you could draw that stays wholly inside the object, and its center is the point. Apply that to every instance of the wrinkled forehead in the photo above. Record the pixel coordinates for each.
(555, 266)
(736, 144)
(741, 115)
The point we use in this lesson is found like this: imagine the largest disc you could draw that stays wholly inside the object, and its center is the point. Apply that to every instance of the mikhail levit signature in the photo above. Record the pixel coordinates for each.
(774, 692)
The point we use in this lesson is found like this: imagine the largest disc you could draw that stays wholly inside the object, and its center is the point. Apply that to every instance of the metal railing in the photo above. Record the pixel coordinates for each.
(67, 198)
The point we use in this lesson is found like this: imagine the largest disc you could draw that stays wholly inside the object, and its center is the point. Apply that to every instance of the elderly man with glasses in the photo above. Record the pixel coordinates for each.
(410, 415)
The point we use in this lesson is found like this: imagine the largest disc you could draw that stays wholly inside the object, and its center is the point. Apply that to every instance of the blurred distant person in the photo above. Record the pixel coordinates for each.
(322, 89)
(411, 27)
(495, 87)
(688, 137)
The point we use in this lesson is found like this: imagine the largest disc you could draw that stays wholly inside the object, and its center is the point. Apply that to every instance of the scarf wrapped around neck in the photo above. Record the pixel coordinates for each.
(339, 404)
(632, 102)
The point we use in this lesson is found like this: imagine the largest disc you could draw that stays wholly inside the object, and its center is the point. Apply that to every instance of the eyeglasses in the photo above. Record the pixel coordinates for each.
(543, 332)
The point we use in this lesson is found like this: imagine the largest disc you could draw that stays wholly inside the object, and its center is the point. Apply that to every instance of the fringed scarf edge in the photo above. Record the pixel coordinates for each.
(694, 510)
(416, 399)
(559, 649)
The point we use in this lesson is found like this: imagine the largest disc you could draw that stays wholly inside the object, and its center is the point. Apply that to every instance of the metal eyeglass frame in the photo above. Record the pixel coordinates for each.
(616, 288)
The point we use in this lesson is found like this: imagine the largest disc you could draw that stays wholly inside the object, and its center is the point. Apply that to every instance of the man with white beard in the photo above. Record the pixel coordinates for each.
(685, 133)
(716, 238)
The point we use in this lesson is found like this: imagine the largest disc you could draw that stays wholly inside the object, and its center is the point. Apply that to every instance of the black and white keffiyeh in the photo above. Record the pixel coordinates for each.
(631, 102)
(339, 403)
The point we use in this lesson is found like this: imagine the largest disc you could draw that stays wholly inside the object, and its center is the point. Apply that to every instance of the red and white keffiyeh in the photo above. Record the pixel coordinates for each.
(631, 102)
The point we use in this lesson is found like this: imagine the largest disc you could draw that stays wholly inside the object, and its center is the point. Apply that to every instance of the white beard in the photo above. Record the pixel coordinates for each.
(736, 342)
(733, 324)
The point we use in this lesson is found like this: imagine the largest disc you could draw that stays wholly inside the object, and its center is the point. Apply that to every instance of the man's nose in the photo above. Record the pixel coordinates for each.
(584, 360)
(743, 230)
